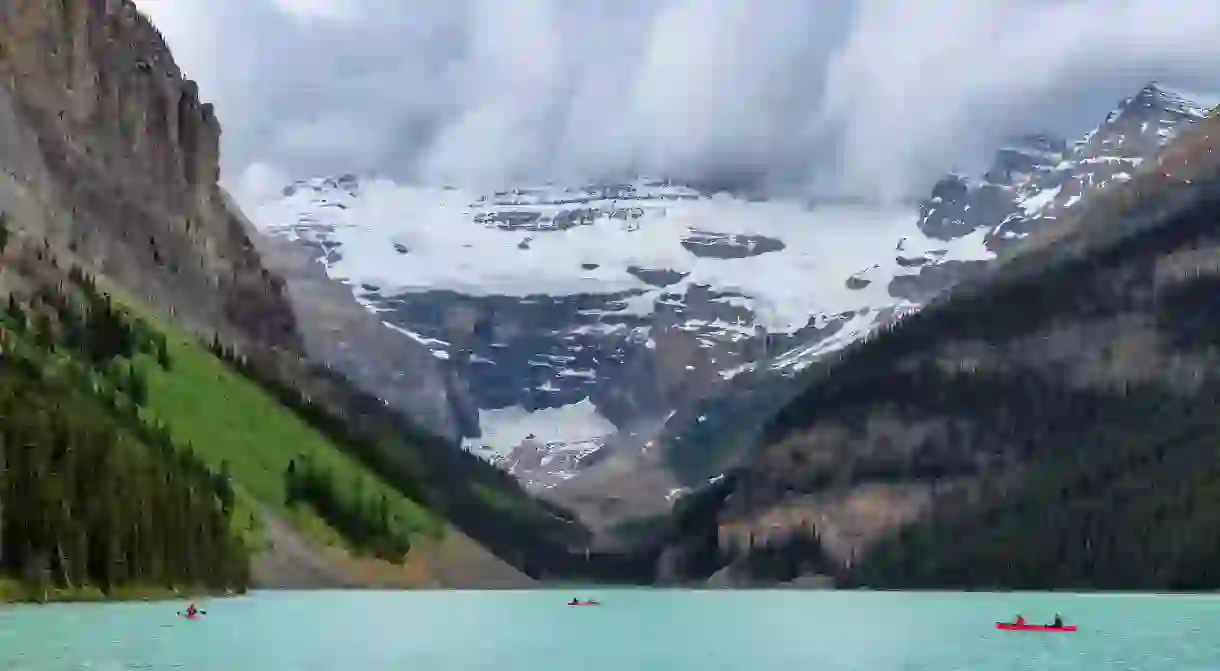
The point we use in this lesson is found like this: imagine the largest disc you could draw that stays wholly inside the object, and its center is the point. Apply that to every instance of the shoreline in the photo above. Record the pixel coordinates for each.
(14, 592)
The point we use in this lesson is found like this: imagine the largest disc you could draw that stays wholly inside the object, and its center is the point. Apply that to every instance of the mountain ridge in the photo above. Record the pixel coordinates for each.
(921, 456)
(599, 358)
(1046, 189)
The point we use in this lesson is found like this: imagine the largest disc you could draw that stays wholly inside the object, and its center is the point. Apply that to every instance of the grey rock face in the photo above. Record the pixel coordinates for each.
(922, 287)
(123, 175)
(728, 246)
(1036, 179)
(340, 332)
(657, 277)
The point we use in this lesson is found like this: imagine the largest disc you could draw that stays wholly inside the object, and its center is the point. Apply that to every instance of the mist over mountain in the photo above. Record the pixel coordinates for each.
(866, 99)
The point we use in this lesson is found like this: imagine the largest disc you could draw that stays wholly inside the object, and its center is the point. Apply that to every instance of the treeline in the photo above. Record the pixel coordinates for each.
(82, 325)
(793, 553)
(486, 503)
(364, 520)
(334, 427)
(990, 422)
(90, 494)
(697, 549)
(986, 419)
(1077, 488)
(692, 538)
(1136, 507)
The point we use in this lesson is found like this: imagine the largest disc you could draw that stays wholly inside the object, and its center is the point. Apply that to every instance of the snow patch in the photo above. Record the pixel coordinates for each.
(504, 429)
(738, 370)
(859, 326)
(1037, 202)
(421, 339)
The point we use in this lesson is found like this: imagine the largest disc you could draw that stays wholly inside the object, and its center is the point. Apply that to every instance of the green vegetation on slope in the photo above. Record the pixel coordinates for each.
(366, 520)
(486, 503)
(247, 419)
(110, 398)
(234, 423)
(91, 496)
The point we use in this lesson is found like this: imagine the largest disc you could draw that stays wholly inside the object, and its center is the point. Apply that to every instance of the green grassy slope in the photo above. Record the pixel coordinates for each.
(94, 501)
(372, 482)
(117, 355)
(227, 418)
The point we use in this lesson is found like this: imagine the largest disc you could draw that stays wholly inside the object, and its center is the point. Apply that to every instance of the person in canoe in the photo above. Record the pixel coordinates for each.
(1058, 622)
(574, 602)
(1020, 620)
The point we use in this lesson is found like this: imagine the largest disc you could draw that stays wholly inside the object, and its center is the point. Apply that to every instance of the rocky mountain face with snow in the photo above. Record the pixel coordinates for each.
(1080, 377)
(1037, 179)
(569, 315)
(1034, 183)
(569, 318)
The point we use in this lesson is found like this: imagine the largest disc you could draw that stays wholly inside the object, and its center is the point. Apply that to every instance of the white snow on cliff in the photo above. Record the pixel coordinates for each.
(411, 239)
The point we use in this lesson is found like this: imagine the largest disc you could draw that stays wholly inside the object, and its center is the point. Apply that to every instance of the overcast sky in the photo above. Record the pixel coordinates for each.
(871, 98)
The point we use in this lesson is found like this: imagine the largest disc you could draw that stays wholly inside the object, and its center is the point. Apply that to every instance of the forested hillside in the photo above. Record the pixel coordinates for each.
(1054, 426)
(92, 494)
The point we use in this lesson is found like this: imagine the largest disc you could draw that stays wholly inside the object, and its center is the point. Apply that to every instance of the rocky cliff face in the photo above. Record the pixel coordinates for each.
(109, 155)
(339, 331)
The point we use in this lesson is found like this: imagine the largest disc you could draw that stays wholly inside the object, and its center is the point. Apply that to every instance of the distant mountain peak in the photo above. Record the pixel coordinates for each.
(1155, 99)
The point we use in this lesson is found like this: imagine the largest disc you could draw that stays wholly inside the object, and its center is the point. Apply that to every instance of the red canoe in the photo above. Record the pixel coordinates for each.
(584, 603)
(1008, 626)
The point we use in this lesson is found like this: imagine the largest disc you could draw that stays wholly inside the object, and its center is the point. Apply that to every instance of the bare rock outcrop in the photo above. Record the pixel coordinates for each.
(108, 153)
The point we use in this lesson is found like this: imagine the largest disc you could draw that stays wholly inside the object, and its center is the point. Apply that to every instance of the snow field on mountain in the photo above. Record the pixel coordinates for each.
(445, 249)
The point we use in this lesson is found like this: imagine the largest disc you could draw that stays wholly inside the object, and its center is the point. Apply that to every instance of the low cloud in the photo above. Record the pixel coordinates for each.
(865, 98)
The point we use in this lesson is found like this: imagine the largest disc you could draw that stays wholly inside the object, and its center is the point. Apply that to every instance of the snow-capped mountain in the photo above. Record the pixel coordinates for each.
(573, 313)
(1034, 182)
(1037, 179)
(578, 315)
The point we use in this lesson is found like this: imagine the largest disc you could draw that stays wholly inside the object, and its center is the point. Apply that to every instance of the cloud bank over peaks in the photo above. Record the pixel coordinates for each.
(865, 98)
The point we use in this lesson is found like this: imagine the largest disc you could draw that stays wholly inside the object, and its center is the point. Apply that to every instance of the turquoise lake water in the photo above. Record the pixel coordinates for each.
(662, 630)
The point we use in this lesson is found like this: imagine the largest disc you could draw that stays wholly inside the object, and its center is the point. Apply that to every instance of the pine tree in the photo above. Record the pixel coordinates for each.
(137, 386)
(163, 359)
